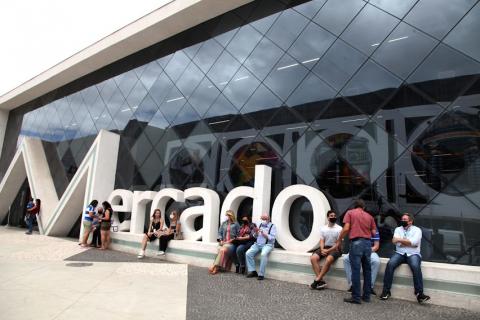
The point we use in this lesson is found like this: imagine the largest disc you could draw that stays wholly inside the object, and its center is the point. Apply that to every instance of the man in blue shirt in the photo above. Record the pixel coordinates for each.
(374, 263)
(265, 240)
(88, 216)
(407, 239)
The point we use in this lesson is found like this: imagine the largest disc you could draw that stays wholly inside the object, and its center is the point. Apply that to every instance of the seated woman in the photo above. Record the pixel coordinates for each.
(243, 242)
(226, 234)
(154, 231)
(169, 234)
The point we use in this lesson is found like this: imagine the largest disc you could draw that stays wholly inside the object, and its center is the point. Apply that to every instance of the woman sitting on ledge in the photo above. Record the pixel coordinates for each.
(153, 232)
(226, 234)
(172, 232)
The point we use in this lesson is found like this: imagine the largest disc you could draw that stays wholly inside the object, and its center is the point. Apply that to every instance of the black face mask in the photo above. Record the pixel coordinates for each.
(404, 223)
(245, 222)
(332, 220)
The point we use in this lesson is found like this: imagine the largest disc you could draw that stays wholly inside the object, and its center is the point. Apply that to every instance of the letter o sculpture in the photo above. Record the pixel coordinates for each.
(281, 212)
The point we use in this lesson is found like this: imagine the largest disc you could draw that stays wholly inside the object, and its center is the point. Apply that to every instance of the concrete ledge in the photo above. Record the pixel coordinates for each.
(448, 285)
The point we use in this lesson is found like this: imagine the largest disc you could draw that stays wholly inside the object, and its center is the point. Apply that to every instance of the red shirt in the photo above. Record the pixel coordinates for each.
(361, 223)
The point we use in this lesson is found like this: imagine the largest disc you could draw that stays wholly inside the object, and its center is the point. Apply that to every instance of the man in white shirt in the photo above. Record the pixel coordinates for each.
(328, 249)
(407, 239)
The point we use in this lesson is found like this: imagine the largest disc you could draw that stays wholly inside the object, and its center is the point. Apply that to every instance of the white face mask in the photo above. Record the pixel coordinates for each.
(171, 216)
(264, 221)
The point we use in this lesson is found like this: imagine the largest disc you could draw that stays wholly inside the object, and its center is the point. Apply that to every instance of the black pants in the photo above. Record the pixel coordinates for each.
(96, 238)
(164, 241)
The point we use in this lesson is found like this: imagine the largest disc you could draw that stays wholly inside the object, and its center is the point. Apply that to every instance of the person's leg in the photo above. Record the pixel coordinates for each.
(166, 239)
(414, 262)
(144, 242)
(250, 257)
(29, 224)
(103, 234)
(393, 263)
(367, 271)
(264, 259)
(326, 266)
(375, 266)
(355, 261)
(162, 242)
(315, 262)
(86, 232)
(240, 253)
(348, 269)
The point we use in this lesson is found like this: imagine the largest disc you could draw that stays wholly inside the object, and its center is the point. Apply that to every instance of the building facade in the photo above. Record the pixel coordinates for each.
(378, 100)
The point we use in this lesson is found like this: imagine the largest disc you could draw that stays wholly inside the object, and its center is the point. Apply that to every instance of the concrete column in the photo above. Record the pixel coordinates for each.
(3, 127)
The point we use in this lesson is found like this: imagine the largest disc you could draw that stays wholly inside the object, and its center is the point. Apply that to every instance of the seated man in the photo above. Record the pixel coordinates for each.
(328, 249)
(265, 239)
(407, 239)
(374, 263)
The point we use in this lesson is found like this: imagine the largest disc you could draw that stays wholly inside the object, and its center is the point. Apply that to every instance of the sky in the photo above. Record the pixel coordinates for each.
(37, 35)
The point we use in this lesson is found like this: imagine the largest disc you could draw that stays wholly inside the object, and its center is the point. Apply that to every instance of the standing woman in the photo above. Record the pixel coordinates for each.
(228, 231)
(153, 232)
(88, 215)
(105, 224)
(32, 213)
(169, 234)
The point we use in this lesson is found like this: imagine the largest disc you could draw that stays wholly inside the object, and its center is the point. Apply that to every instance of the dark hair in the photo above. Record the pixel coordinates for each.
(410, 216)
(245, 217)
(154, 211)
(38, 202)
(330, 211)
(94, 203)
(106, 205)
(359, 203)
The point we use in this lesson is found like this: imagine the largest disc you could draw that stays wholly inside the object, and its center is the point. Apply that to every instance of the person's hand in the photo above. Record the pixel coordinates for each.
(324, 252)
(221, 242)
(149, 234)
(339, 245)
(394, 240)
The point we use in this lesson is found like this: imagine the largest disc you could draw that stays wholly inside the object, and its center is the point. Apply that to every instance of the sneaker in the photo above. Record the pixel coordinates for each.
(28, 232)
(385, 295)
(161, 253)
(321, 285)
(350, 289)
(372, 292)
(314, 284)
(141, 254)
(252, 274)
(351, 300)
(421, 298)
(260, 278)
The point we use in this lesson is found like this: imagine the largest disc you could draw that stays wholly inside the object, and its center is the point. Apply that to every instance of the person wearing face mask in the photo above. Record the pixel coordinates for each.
(227, 233)
(265, 240)
(329, 234)
(407, 239)
(242, 243)
(169, 234)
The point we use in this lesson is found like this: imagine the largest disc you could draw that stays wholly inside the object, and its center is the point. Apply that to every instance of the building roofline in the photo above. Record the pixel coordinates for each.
(162, 23)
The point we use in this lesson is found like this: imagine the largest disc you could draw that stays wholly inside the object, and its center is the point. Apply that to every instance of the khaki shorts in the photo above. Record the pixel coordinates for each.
(87, 225)
(105, 225)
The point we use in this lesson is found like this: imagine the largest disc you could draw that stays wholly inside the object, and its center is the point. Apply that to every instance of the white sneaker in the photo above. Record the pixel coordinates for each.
(161, 253)
(141, 254)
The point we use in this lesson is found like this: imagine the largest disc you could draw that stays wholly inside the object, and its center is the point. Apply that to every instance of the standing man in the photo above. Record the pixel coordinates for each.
(265, 240)
(374, 263)
(328, 249)
(361, 227)
(407, 239)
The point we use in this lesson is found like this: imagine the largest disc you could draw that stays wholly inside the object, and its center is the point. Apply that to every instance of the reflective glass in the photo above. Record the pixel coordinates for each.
(369, 28)
(263, 58)
(336, 15)
(404, 49)
(437, 17)
(285, 76)
(396, 7)
(467, 29)
(287, 28)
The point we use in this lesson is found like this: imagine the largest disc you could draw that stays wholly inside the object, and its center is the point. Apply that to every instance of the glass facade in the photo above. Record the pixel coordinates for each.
(372, 99)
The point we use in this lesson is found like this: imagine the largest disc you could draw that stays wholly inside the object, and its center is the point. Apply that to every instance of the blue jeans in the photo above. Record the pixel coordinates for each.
(239, 255)
(374, 264)
(30, 220)
(360, 252)
(414, 262)
(265, 250)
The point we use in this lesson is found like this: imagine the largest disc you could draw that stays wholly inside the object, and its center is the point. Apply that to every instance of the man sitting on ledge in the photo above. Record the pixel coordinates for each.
(265, 240)
(407, 239)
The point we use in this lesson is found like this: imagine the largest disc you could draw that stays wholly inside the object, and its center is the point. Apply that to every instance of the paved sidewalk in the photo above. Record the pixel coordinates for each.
(52, 278)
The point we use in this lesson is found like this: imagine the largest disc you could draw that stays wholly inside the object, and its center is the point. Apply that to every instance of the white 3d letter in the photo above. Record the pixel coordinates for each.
(281, 212)
(209, 210)
(140, 200)
(163, 196)
(260, 194)
(126, 198)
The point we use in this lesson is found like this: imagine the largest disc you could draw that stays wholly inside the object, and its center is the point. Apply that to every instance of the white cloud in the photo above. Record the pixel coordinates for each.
(37, 35)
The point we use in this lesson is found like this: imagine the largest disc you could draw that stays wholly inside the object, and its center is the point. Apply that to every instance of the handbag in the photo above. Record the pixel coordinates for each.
(178, 236)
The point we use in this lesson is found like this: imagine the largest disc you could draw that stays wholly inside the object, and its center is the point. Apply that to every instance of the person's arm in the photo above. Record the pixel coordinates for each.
(150, 229)
(396, 235)
(376, 246)
(345, 231)
(414, 240)
(273, 233)
(179, 227)
(107, 215)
